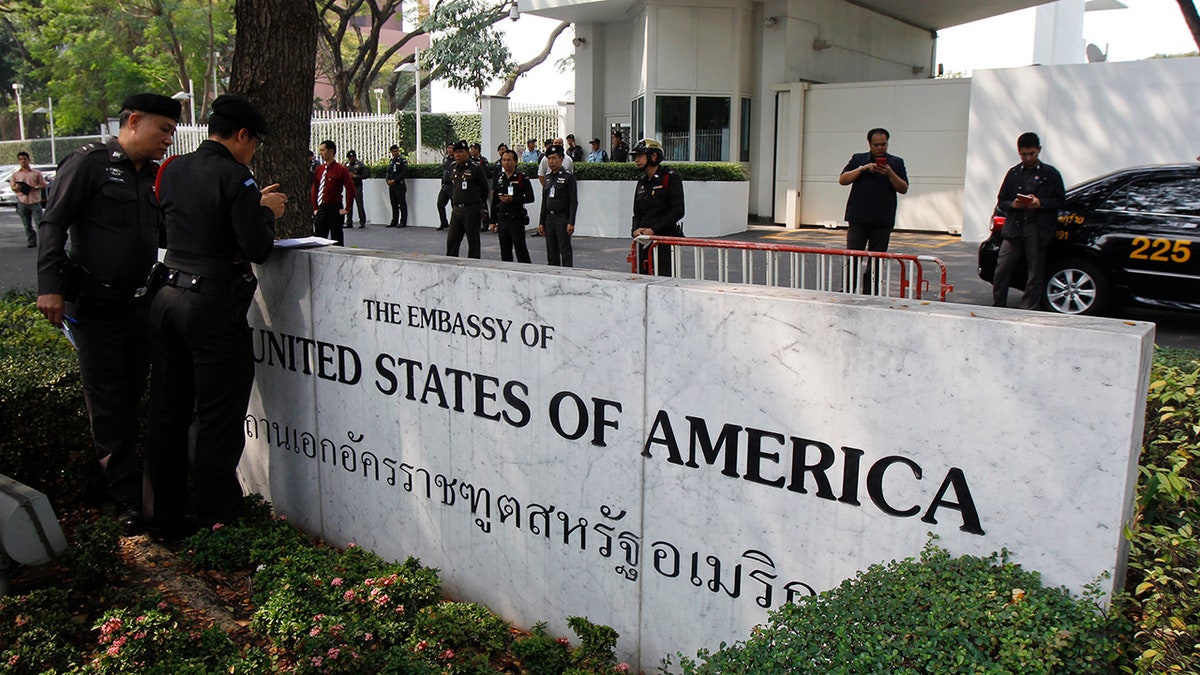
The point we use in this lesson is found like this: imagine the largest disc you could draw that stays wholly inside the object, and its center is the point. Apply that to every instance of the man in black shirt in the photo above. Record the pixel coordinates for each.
(469, 196)
(104, 197)
(1030, 197)
(217, 222)
(875, 178)
(444, 193)
(510, 193)
(397, 189)
(560, 202)
(359, 173)
(657, 205)
(620, 149)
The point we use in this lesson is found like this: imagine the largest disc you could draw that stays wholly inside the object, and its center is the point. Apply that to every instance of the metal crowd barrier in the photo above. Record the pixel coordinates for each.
(893, 275)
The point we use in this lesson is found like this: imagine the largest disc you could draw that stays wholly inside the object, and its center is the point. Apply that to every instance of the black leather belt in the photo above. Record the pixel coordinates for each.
(194, 282)
(467, 206)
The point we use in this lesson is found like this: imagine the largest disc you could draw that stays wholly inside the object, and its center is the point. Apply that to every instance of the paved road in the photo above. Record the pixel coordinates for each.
(17, 263)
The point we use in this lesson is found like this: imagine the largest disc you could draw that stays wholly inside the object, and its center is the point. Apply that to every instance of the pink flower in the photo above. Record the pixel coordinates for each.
(140, 635)
(316, 630)
(318, 617)
(217, 526)
(351, 545)
(348, 595)
(367, 637)
(162, 605)
(622, 667)
(120, 642)
(564, 641)
(111, 626)
(334, 652)
(382, 600)
(337, 581)
(422, 645)
(113, 650)
(12, 660)
(448, 654)
(317, 661)
(281, 518)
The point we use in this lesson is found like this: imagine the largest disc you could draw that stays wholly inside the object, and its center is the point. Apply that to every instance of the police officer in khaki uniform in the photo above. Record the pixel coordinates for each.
(468, 199)
(657, 204)
(217, 222)
(104, 197)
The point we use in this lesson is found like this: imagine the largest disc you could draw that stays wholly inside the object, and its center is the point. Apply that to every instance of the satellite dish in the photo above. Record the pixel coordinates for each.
(1094, 55)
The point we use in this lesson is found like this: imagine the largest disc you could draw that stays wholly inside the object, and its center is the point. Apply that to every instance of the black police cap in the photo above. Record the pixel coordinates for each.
(554, 150)
(461, 145)
(242, 111)
(352, 154)
(594, 140)
(155, 104)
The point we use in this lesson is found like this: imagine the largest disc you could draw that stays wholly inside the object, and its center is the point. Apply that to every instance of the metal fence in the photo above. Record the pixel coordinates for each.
(529, 121)
(368, 134)
(39, 148)
(892, 275)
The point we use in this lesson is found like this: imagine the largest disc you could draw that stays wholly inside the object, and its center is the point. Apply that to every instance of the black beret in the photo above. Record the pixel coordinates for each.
(155, 104)
(242, 111)
(461, 145)
(555, 150)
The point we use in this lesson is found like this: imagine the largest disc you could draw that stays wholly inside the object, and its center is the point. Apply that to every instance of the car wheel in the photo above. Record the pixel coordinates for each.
(1076, 286)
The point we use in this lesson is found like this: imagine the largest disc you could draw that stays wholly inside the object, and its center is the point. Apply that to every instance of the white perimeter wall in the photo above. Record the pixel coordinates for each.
(958, 137)
(1092, 119)
(533, 433)
(928, 123)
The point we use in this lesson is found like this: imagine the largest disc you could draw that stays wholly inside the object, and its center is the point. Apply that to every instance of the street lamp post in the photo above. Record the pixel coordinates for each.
(190, 97)
(415, 68)
(17, 87)
(49, 110)
(378, 101)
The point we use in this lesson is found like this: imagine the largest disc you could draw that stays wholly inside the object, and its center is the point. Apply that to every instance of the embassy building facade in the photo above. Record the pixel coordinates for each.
(724, 80)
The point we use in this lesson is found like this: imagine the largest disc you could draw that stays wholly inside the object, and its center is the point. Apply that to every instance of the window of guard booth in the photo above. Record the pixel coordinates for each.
(744, 144)
(637, 127)
(712, 128)
(673, 120)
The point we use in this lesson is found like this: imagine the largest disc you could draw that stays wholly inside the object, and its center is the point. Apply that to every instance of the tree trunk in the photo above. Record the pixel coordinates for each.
(510, 82)
(1188, 7)
(274, 57)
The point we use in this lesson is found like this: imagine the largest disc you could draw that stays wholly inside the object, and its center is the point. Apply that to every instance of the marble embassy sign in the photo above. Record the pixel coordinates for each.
(675, 459)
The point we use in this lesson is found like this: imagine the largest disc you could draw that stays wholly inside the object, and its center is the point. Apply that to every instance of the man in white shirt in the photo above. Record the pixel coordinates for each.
(544, 166)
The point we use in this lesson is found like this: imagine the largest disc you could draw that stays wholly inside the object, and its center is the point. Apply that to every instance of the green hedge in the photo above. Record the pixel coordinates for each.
(44, 432)
(689, 171)
(934, 615)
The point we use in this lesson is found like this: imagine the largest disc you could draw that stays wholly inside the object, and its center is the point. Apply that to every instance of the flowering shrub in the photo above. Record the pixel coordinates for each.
(33, 630)
(156, 642)
(936, 614)
(460, 637)
(542, 654)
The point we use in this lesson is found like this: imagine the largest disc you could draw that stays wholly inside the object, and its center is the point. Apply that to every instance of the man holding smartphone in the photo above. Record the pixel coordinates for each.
(1029, 198)
(875, 178)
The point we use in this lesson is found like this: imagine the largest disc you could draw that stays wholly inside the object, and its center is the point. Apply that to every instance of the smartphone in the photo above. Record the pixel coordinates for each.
(880, 161)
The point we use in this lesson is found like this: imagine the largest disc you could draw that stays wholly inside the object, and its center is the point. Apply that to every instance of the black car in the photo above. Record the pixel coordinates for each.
(1130, 237)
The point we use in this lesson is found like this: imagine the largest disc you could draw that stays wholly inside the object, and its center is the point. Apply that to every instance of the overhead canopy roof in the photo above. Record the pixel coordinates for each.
(928, 14)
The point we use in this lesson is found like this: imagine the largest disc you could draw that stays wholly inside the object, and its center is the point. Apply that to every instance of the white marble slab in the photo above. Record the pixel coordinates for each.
(1031, 423)
(1038, 417)
(508, 345)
